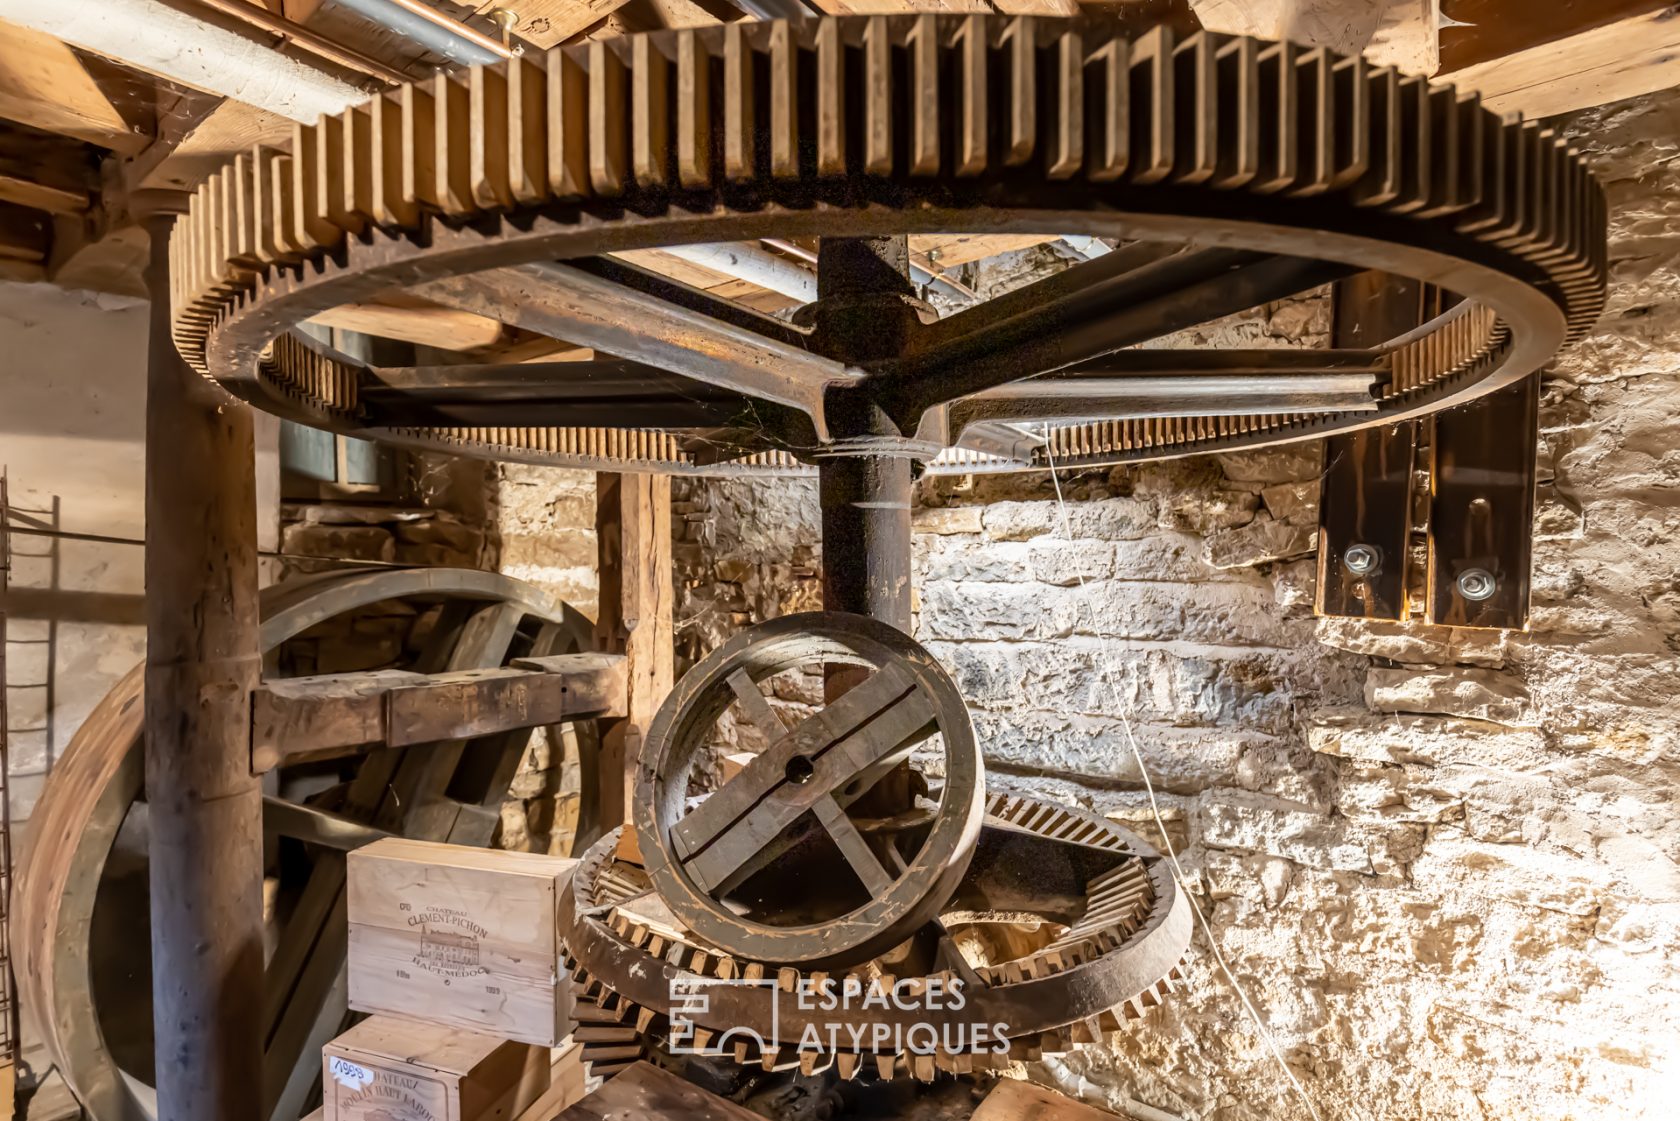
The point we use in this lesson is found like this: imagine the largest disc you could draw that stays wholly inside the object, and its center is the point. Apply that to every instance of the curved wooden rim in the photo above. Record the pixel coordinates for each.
(87, 796)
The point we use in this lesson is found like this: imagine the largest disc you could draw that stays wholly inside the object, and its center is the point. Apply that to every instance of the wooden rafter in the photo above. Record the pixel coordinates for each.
(44, 84)
(1635, 54)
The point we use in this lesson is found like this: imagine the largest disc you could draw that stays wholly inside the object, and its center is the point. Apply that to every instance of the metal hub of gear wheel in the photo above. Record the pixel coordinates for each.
(1231, 172)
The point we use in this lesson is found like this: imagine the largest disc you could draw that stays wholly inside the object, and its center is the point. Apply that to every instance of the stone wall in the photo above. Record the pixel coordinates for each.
(1441, 863)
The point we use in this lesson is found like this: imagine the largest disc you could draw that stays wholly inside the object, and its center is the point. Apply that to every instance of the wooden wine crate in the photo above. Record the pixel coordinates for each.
(459, 936)
(565, 1084)
(390, 1069)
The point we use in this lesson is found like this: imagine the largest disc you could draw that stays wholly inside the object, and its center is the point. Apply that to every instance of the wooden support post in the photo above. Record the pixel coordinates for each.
(202, 663)
(633, 528)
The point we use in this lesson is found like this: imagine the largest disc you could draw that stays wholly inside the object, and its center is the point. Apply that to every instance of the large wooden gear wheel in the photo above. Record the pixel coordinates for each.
(802, 793)
(68, 894)
(1109, 927)
(1231, 172)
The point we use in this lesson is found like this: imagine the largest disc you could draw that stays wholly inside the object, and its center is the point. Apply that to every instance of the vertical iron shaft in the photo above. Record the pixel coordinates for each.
(865, 498)
(866, 536)
(202, 663)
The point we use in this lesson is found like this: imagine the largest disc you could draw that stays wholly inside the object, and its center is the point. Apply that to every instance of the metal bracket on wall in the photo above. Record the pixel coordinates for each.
(1365, 497)
(1365, 523)
(1481, 510)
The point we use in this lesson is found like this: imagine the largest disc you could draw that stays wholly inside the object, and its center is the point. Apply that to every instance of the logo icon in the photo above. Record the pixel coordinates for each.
(691, 996)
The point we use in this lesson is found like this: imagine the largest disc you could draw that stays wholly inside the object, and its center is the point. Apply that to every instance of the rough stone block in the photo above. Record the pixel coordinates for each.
(441, 531)
(351, 542)
(1473, 694)
(942, 559)
(1286, 464)
(1355, 734)
(946, 519)
(1260, 542)
(1295, 502)
(1417, 643)
(1249, 823)
(1067, 563)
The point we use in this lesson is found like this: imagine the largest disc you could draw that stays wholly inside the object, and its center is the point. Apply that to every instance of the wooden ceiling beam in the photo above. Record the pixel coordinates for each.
(44, 84)
(1637, 53)
(40, 196)
(548, 23)
(25, 235)
(415, 321)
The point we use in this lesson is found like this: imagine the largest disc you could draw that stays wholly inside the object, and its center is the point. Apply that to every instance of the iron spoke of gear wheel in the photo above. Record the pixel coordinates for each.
(571, 304)
(1162, 383)
(1279, 361)
(1093, 397)
(1082, 315)
(690, 298)
(611, 393)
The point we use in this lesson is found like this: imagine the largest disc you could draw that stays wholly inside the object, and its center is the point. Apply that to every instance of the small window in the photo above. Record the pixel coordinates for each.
(315, 464)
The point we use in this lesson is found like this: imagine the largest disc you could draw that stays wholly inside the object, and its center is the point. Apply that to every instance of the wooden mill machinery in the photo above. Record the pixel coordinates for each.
(1220, 174)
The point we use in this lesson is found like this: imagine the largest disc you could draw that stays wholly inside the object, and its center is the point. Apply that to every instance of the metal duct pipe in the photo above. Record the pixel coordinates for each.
(429, 28)
(161, 40)
(776, 9)
(1086, 246)
(917, 273)
(748, 262)
(301, 36)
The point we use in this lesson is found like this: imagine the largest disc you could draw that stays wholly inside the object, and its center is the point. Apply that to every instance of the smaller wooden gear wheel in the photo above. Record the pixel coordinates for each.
(782, 864)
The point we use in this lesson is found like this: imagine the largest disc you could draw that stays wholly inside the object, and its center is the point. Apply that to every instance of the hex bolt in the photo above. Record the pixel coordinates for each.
(1360, 559)
(1477, 584)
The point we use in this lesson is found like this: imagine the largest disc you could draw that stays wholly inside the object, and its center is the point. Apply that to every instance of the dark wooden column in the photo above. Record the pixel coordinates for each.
(202, 664)
(633, 542)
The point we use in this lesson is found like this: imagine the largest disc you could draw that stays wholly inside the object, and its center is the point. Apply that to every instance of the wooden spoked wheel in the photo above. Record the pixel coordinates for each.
(782, 864)
(82, 963)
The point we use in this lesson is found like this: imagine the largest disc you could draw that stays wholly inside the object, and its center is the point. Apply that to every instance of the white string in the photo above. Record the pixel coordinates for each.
(1108, 662)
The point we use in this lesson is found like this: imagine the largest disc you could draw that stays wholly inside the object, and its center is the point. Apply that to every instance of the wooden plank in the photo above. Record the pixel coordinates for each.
(648, 1093)
(547, 23)
(40, 196)
(1633, 56)
(44, 84)
(25, 235)
(768, 770)
(594, 683)
(319, 717)
(316, 717)
(183, 159)
(950, 250)
(1484, 30)
(1014, 1100)
(633, 535)
(413, 320)
(720, 857)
